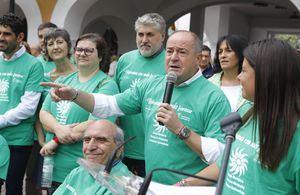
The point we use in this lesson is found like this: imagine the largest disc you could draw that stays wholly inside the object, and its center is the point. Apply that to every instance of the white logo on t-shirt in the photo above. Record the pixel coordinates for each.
(135, 82)
(158, 136)
(62, 111)
(157, 127)
(238, 162)
(4, 85)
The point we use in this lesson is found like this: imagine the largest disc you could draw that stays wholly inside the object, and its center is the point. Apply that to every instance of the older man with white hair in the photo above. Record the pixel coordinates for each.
(99, 141)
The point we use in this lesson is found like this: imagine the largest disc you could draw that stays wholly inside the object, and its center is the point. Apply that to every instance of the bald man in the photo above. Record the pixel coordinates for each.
(99, 141)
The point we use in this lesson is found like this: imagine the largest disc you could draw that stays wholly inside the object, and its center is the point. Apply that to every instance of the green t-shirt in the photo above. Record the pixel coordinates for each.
(4, 158)
(67, 112)
(199, 105)
(245, 174)
(131, 69)
(48, 67)
(21, 75)
(79, 181)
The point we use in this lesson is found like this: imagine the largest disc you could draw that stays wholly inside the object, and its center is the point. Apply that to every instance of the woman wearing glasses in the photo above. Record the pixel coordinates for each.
(66, 120)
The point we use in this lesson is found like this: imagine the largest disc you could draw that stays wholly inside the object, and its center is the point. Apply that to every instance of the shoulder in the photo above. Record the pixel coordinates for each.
(106, 80)
(76, 172)
(208, 87)
(128, 55)
(29, 58)
(153, 81)
(245, 107)
(216, 79)
(121, 169)
(63, 79)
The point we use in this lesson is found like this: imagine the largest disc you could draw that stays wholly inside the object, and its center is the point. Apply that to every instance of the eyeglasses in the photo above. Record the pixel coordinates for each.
(87, 51)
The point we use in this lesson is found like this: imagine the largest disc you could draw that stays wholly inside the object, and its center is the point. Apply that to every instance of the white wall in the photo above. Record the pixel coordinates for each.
(33, 16)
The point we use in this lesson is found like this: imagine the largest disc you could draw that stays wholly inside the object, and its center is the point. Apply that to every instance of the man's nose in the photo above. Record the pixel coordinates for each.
(174, 55)
(145, 39)
(1, 36)
(92, 143)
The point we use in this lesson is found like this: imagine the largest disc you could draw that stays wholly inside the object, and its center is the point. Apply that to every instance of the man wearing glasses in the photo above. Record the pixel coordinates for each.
(67, 121)
(99, 141)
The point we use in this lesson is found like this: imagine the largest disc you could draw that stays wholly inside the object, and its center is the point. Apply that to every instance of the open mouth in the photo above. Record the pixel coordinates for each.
(174, 68)
(146, 47)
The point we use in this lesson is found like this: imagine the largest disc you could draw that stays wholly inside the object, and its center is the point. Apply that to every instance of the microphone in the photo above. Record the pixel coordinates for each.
(171, 79)
(144, 187)
(230, 125)
(112, 157)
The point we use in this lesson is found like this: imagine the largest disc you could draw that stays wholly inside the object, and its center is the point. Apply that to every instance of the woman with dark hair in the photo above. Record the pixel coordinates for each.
(265, 158)
(57, 47)
(66, 120)
(227, 65)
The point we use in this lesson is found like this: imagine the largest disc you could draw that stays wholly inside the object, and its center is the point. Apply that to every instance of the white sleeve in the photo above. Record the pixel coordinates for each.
(106, 106)
(25, 109)
(211, 149)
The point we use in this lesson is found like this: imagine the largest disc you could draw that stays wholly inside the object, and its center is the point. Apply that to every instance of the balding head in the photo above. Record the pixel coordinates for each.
(195, 39)
(183, 55)
(100, 139)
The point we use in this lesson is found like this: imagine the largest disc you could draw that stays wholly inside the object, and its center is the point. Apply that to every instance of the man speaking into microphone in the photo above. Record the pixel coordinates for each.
(189, 138)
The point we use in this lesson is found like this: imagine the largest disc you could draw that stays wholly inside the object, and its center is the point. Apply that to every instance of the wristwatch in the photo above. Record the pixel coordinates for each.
(184, 133)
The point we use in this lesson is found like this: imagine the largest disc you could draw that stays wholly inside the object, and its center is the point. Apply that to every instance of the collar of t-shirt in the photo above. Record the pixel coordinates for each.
(192, 79)
(16, 55)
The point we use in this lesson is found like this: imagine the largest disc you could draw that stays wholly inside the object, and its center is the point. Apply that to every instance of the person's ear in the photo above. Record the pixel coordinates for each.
(120, 151)
(20, 37)
(163, 35)
(198, 58)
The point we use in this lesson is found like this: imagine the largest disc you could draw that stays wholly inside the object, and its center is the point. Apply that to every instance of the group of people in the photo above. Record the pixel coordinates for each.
(77, 105)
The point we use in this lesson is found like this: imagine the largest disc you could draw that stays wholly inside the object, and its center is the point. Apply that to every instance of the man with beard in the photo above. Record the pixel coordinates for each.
(20, 74)
(147, 60)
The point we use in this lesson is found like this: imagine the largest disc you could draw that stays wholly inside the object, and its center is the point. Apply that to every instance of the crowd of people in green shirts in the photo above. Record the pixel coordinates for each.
(54, 106)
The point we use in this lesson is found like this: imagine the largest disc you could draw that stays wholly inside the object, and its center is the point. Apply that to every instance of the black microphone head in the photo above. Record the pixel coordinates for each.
(171, 77)
(231, 123)
(112, 157)
(230, 118)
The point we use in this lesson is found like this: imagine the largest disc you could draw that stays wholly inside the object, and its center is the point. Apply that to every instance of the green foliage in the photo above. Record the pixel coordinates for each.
(293, 39)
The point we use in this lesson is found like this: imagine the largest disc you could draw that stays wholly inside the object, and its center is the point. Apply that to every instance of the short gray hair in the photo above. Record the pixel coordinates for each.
(153, 19)
(119, 136)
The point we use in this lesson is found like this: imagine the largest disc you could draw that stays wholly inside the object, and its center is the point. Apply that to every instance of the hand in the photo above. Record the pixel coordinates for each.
(49, 148)
(167, 115)
(63, 133)
(76, 135)
(60, 91)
